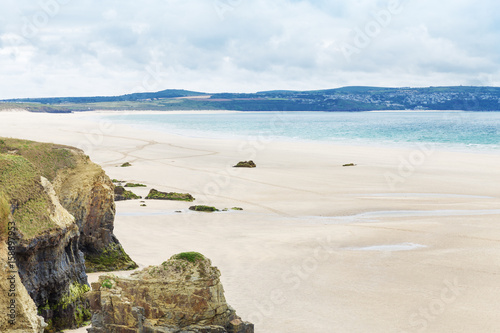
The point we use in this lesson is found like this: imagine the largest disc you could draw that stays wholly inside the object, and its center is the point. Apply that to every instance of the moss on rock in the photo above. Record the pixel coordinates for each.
(111, 259)
(246, 164)
(203, 208)
(155, 194)
(134, 185)
(122, 194)
(72, 310)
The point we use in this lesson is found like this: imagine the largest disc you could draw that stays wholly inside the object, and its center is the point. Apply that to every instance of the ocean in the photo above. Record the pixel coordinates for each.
(456, 131)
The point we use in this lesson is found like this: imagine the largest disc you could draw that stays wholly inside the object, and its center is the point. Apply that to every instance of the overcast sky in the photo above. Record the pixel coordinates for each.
(112, 47)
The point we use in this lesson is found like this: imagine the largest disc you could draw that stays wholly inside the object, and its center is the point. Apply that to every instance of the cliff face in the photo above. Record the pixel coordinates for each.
(184, 294)
(88, 194)
(19, 312)
(61, 204)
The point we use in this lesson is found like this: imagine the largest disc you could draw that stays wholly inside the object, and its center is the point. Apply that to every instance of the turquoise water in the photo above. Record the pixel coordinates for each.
(470, 131)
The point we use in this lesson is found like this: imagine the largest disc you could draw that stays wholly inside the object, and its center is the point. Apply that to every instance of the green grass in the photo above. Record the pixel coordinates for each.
(126, 164)
(20, 181)
(189, 256)
(46, 157)
(4, 215)
(107, 284)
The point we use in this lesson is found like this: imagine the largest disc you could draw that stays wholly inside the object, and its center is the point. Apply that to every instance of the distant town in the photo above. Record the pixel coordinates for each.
(340, 99)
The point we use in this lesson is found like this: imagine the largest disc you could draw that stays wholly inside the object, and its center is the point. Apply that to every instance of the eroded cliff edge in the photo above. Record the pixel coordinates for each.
(63, 210)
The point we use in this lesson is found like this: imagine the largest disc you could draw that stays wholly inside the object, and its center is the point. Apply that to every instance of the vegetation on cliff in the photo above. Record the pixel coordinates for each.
(4, 216)
(75, 300)
(20, 180)
(47, 158)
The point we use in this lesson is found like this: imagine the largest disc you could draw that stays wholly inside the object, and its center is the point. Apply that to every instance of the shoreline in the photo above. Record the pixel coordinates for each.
(348, 277)
(438, 146)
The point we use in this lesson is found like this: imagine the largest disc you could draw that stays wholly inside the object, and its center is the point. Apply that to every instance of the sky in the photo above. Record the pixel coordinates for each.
(52, 48)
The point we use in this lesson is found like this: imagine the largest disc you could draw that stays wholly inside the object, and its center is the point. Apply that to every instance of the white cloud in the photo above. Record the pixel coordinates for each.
(75, 48)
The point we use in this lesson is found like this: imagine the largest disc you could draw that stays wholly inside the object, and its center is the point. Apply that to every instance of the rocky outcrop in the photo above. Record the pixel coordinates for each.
(184, 294)
(62, 207)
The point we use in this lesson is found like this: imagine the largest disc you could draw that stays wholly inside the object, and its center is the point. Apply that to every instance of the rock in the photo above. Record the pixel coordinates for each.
(155, 194)
(126, 164)
(122, 194)
(184, 294)
(135, 185)
(245, 164)
(349, 165)
(202, 208)
(19, 313)
(88, 194)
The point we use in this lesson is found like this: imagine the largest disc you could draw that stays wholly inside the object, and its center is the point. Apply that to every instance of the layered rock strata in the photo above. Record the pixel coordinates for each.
(19, 312)
(184, 294)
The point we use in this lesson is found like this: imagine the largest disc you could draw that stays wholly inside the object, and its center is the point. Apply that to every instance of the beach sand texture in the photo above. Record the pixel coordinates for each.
(408, 240)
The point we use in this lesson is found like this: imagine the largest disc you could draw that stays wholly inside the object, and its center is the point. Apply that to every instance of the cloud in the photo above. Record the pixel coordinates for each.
(78, 48)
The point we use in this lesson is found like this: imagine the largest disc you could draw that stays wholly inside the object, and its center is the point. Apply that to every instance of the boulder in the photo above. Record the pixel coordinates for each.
(158, 195)
(245, 164)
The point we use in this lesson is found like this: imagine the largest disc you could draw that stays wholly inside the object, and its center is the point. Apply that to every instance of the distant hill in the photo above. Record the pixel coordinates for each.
(356, 98)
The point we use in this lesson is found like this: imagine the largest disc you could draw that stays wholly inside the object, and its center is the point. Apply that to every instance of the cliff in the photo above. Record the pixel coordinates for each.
(20, 312)
(184, 294)
(88, 194)
(62, 207)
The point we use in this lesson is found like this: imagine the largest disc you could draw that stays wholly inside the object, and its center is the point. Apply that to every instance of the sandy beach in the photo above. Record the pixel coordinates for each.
(407, 240)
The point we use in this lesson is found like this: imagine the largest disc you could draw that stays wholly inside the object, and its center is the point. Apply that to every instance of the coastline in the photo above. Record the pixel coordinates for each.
(284, 268)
